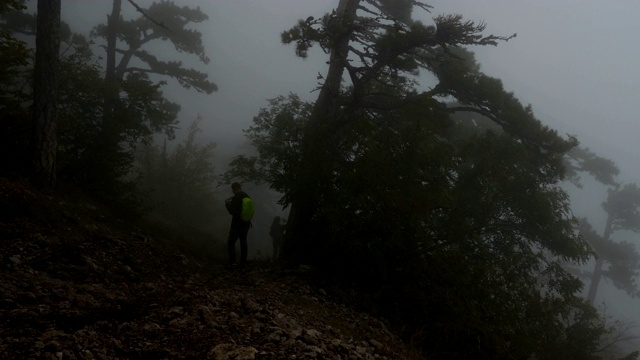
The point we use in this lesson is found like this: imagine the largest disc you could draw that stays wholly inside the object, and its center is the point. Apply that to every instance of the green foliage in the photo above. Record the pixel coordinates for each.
(276, 133)
(18, 21)
(14, 77)
(81, 150)
(179, 184)
(424, 223)
(81, 94)
(11, 5)
(623, 205)
(582, 160)
(144, 111)
(461, 78)
(303, 35)
(15, 56)
(14, 19)
(15, 59)
(399, 10)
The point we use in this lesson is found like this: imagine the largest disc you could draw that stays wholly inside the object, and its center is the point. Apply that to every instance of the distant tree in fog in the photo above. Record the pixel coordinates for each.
(106, 111)
(179, 182)
(617, 260)
(134, 106)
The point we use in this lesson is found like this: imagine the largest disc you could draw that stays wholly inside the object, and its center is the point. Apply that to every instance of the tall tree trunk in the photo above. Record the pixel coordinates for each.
(110, 73)
(597, 271)
(112, 36)
(45, 86)
(107, 145)
(306, 193)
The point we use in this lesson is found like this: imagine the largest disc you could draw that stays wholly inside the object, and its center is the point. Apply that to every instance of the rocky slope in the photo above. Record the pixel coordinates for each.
(75, 286)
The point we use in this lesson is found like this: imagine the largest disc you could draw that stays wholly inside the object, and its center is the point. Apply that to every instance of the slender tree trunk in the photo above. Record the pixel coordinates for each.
(306, 193)
(597, 271)
(110, 73)
(107, 144)
(112, 33)
(44, 146)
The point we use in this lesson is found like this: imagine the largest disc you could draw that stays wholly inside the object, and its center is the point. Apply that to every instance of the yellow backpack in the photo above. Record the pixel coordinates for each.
(247, 209)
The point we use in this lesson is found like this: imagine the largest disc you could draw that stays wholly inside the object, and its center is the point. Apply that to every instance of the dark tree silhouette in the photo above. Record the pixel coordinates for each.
(45, 84)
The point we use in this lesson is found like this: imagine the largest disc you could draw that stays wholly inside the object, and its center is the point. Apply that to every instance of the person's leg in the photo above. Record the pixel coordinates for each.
(243, 245)
(231, 245)
(275, 248)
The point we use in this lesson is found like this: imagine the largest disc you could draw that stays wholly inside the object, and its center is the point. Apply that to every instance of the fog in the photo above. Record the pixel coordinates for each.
(574, 62)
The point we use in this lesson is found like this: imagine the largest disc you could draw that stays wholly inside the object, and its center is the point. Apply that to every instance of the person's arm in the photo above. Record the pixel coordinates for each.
(227, 204)
(235, 206)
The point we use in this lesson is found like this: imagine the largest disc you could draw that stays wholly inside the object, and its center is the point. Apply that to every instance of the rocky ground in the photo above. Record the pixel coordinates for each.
(75, 284)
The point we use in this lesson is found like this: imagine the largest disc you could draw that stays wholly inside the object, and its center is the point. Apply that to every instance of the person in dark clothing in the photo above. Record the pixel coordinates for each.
(277, 235)
(239, 228)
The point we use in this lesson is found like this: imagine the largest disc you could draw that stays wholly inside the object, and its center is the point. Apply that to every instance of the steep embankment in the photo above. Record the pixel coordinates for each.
(76, 284)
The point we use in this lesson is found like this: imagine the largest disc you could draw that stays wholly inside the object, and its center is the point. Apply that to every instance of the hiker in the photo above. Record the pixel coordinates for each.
(277, 236)
(239, 226)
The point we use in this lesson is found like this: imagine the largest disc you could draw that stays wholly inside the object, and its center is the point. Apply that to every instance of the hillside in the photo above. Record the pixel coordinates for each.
(76, 283)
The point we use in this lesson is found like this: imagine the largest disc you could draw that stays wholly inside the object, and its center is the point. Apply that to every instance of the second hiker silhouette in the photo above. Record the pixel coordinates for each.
(276, 232)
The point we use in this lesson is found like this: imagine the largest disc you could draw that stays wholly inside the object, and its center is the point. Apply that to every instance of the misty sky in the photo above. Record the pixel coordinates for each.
(576, 62)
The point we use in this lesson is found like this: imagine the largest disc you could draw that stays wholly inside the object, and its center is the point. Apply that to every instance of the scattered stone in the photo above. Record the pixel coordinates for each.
(375, 343)
(362, 351)
(176, 310)
(311, 336)
(71, 295)
(232, 352)
(16, 259)
(276, 336)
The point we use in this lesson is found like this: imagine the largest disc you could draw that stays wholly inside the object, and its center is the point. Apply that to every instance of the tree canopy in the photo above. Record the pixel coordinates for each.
(106, 110)
(461, 231)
